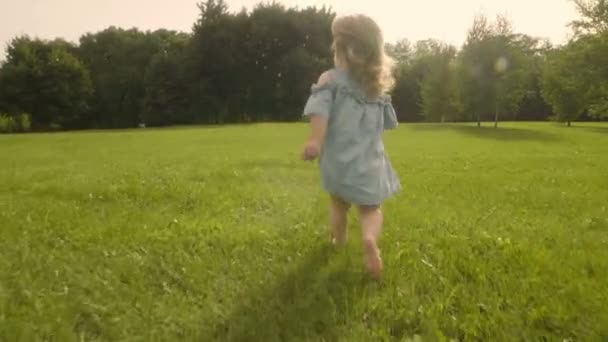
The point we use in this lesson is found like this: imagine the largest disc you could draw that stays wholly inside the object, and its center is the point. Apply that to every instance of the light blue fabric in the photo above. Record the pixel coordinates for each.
(353, 164)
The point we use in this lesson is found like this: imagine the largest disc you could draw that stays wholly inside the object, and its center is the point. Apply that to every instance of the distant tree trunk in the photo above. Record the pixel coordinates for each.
(478, 120)
(496, 117)
(569, 123)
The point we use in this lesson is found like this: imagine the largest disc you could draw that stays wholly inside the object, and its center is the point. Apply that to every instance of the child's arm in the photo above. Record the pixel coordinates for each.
(318, 122)
(390, 117)
(318, 128)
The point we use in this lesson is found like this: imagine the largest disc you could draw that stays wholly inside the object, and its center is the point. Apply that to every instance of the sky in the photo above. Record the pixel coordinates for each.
(447, 20)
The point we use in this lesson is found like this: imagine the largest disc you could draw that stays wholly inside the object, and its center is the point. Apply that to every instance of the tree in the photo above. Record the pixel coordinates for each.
(438, 89)
(473, 76)
(561, 84)
(256, 66)
(401, 52)
(216, 65)
(594, 15)
(494, 71)
(512, 77)
(406, 92)
(533, 106)
(165, 101)
(118, 60)
(290, 51)
(44, 79)
(593, 54)
(414, 64)
(575, 79)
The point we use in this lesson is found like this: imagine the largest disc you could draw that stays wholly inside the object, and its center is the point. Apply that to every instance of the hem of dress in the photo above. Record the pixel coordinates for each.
(354, 201)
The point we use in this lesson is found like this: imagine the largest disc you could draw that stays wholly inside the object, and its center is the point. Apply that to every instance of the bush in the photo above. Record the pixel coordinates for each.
(7, 124)
(12, 124)
(25, 123)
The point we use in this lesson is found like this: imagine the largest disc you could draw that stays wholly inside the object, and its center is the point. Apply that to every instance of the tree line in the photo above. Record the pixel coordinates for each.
(258, 65)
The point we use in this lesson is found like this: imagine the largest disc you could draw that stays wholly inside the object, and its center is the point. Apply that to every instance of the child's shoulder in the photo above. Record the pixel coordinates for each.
(341, 81)
(334, 75)
(326, 78)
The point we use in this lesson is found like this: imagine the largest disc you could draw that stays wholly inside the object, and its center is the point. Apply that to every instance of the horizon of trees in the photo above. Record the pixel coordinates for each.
(258, 65)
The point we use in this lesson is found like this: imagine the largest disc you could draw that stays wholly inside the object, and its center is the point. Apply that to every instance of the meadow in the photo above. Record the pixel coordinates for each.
(219, 234)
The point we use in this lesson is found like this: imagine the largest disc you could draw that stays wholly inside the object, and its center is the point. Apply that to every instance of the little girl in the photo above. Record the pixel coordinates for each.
(348, 111)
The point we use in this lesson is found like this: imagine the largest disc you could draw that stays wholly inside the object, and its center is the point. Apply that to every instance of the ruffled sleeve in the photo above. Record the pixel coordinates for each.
(320, 101)
(390, 117)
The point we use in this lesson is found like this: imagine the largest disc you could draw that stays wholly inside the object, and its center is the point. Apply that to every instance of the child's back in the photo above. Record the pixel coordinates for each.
(349, 111)
(353, 163)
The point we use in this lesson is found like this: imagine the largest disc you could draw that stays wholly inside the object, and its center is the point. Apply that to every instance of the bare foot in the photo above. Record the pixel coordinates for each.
(373, 259)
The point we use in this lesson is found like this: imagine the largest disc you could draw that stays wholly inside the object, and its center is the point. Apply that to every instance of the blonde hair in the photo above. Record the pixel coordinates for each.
(359, 43)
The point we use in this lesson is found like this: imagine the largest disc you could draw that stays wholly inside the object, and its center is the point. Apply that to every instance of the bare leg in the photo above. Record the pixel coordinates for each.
(338, 212)
(371, 222)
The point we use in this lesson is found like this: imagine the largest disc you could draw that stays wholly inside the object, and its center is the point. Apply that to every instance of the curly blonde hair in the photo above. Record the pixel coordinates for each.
(358, 42)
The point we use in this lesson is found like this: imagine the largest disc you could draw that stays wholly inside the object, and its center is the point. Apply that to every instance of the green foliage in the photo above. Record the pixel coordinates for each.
(495, 71)
(575, 77)
(593, 54)
(7, 124)
(406, 93)
(423, 65)
(513, 81)
(594, 17)
(25, 122)
(401, 52)
(205, 235)
(258, 65)
(563, 86)
(438, 90)
(599, 108)
(533, 106)
(165, 101)
(45, 80)
(15, 124)
(118, 60)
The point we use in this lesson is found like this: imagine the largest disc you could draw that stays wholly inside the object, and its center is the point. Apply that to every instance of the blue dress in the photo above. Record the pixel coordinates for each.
(353, 164)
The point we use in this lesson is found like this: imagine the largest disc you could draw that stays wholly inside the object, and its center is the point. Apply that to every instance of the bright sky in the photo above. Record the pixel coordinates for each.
(447, 20)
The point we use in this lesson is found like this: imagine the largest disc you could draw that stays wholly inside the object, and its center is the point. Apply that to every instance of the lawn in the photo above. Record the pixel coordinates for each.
(219, 234)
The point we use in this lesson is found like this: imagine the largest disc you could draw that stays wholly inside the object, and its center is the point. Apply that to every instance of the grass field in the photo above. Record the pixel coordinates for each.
(219, 234)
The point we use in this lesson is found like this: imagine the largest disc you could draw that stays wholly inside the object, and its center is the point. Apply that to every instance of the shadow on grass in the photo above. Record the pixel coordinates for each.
(594, 129)
(308, 303)
(486, 132)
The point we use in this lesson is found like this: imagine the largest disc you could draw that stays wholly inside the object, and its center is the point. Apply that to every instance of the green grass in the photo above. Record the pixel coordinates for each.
(219, 234)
